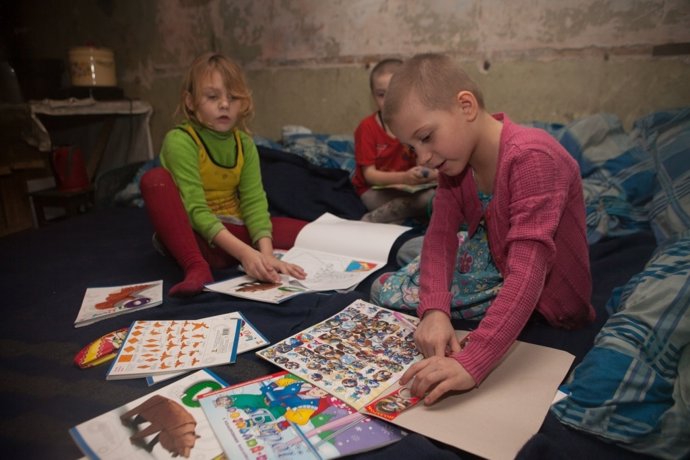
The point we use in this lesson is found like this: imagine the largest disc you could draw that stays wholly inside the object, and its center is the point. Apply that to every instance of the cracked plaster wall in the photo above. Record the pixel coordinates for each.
(308, 60)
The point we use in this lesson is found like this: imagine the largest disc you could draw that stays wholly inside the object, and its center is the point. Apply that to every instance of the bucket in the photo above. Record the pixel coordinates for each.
(91, 66)
(69, 169)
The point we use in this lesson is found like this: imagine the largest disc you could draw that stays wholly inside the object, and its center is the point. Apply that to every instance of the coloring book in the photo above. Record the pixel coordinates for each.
(357, 355)
(100, 303)
(282, 416)
(164, 346)
(338, 254)
(167, 423)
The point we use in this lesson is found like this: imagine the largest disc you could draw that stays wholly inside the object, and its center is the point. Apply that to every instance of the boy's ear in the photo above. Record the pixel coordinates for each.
(468, 104)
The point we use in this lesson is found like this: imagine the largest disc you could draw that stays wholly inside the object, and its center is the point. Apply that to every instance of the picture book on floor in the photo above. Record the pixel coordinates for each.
(338, 254)
(357, 355)
(167, 423)
(283, 416)
(165, 346)
(246, 287)
(250, 339)
(100, 303)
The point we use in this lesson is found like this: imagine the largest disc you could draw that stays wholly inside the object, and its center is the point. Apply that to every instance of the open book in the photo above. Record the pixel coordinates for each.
(283, 416)
(336, 254)
(105, 302)
(407, 188)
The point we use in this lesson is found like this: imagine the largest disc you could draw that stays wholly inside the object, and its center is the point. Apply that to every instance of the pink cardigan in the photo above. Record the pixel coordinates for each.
(536, 230)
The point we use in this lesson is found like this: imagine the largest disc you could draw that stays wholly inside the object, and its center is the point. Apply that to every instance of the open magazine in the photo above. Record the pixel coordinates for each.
(282, 416)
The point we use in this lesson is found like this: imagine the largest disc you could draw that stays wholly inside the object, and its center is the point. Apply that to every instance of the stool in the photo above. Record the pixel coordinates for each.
(73, 202)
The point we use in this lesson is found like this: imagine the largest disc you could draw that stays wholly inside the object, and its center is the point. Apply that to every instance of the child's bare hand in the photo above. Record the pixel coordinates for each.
(420, 175)
(259, 266)
(433, 377)
(435, 335)
(289, 269)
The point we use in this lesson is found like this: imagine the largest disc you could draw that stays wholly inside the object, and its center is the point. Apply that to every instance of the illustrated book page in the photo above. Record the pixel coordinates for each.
(100, 303)
(282, 416)
(162, 346)
(355, 355)
(246, 287)
(337, 254)
(250, 339)
(165, 424)
(510, 404)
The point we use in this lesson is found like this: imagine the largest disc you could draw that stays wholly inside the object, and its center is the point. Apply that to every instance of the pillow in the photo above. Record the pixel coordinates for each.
(633, 387)
(666, 138)
(601, 146)
(618, 175)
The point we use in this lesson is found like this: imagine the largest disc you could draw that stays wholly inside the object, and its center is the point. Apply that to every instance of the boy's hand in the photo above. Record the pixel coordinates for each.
(420, 175)
(433, 377)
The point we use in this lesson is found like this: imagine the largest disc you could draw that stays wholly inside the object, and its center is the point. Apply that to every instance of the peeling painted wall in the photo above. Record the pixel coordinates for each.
(308, 60)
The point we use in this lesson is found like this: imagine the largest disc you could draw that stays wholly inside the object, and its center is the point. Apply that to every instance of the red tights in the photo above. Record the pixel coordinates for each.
(190, 250)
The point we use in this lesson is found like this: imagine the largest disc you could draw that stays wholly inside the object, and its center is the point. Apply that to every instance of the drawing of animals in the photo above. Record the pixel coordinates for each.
(174, 425)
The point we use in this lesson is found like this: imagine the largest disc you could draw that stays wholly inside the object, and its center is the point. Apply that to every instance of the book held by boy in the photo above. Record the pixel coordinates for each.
(167, 346)
(282, 416)
(167, 423)
(100, 303)
(357, 355)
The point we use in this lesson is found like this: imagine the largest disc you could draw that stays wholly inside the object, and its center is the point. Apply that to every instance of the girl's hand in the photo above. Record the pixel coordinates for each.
(259, 266)
(435, 335)
(288, 269)
(433, 377)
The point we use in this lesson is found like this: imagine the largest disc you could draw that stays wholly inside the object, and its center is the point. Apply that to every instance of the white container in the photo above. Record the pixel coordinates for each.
(90, 66)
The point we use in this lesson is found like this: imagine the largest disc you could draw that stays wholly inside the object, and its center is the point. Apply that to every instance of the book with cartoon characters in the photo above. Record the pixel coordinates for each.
(100, 303)
(164, 424)
(284, 416)
(357, 355)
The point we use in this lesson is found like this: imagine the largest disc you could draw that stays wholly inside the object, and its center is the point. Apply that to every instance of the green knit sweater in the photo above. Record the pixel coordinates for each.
(180, 156)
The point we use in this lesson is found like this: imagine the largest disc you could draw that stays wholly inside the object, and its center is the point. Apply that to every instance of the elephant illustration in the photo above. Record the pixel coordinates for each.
(174, 425)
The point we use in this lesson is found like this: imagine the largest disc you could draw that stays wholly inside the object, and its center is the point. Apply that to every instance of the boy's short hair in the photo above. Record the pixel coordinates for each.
(434, 78)
(389, 65)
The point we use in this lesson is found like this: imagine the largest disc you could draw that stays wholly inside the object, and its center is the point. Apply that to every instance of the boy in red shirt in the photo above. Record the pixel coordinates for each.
(385, 168)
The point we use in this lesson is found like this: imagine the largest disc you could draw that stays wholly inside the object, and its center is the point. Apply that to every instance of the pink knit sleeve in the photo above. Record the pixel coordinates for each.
(440, 248)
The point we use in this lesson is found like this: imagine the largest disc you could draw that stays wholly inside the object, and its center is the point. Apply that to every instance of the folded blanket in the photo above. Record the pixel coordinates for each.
(633, 387)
